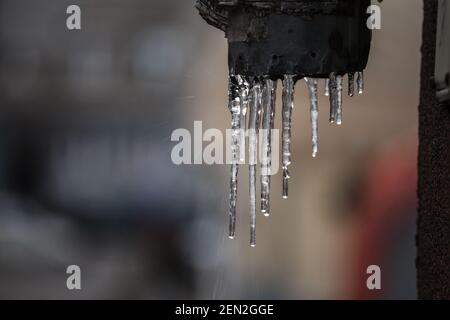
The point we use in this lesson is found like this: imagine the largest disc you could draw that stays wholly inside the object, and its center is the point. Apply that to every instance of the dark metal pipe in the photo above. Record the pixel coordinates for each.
(304, 38)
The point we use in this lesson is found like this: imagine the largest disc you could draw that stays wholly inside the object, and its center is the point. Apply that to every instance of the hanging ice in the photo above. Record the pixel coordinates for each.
(253, 126)
(351, 84)
(244, 87)
(360, 82)
(314, 109)
(254, 101)
(332, 94)
(288, 105)
(327, 87)
(234, 106)
(338, 102)
(268, 106)
(335, 98)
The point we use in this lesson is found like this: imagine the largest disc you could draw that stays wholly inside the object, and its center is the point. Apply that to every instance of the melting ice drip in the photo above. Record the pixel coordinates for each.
(254, 98)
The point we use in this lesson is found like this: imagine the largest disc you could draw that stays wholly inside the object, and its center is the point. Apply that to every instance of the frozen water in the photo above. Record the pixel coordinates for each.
(360, 82)
(338, 98)
(327, 88)
(351, 84)
(314, 110)
(288, 105)
(234, 106)
(333, 94)
(254, 101)
(244, 88)
(253, 126)
(268, 102)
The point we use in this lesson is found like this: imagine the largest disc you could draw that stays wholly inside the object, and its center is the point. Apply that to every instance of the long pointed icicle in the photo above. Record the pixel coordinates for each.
(333, 95)
(268, 102)
(338, 98)
(288, 105)
(235, 109)
(314, 109)
(244, 90)
(253, 126)
(360, 82)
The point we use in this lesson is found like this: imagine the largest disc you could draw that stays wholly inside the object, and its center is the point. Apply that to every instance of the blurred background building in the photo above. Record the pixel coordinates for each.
(86, 176)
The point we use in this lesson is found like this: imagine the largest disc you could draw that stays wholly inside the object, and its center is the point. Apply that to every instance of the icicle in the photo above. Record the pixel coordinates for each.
(314, 109)
(351, 84)
(253, 125)
(268, 102)
(234, 106)
(335, 98)
(338, 102)
(333, 95)
(244, 88)
(252, 184)
(288, 105)
(360, 82)
(327, 87)
(233, 199)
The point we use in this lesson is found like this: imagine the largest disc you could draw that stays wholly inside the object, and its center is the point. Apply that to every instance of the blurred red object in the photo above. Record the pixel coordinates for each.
(387, 203)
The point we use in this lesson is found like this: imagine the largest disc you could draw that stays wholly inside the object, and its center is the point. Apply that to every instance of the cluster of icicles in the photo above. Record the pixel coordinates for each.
(252, 102)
